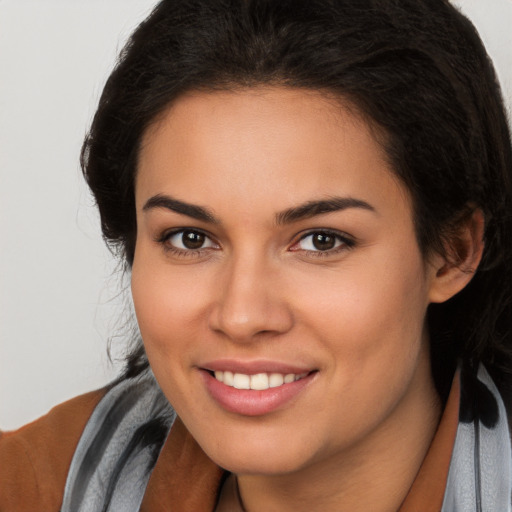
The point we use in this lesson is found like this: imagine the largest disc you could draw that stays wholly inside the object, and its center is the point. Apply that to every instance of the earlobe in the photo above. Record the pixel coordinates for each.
(452, 272)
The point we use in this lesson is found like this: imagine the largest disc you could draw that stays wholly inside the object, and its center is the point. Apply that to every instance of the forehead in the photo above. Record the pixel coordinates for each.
(253, 145)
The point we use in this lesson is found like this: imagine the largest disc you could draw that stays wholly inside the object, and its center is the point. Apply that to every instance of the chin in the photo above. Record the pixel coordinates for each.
(260, 457)
(262, 466)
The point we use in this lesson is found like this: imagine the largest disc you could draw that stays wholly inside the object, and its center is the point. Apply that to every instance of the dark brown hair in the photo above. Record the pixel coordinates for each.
(416, 68)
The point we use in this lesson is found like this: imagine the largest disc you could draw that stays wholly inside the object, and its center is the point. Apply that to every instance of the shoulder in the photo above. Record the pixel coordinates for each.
(35, 459)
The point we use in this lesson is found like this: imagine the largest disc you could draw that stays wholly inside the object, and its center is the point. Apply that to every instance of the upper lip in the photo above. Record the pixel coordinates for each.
(254, 367)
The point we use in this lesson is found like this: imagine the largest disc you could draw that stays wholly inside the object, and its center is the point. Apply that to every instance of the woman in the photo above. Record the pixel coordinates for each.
(313, 200)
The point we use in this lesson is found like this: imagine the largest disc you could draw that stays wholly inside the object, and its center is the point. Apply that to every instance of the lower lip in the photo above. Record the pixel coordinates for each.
(250, 402)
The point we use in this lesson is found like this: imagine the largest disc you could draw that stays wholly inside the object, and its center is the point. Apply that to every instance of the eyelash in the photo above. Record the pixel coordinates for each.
(345, 242)
(187, 253)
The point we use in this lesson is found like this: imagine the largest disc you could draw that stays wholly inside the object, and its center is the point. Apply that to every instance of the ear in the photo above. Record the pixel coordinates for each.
(452, 272)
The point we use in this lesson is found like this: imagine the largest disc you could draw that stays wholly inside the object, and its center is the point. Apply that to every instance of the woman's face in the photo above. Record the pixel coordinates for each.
(276, 248)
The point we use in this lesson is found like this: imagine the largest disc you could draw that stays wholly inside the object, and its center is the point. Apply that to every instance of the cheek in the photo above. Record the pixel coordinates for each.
(169, 305)
(371, 324)
(370, 314)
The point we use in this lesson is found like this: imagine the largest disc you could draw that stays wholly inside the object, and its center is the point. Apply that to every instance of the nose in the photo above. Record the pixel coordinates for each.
(251, 304)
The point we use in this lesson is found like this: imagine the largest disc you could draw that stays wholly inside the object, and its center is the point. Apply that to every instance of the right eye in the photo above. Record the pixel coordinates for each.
(187, 241)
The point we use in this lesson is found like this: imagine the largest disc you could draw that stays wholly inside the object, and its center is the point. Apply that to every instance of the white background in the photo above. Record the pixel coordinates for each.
(60, 296)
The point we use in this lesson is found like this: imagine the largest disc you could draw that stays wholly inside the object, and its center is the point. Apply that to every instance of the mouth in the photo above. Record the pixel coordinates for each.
(249, 390)
(258, 381)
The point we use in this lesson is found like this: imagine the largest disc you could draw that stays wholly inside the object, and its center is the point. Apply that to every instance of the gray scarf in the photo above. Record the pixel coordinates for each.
(123, 438)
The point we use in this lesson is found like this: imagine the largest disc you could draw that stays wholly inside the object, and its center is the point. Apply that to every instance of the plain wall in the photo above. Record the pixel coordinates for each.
(60, 297)
(59, 292)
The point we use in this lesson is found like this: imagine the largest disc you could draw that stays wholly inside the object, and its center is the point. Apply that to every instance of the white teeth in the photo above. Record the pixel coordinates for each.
(258, 381)
(241, 381)
(275, 380)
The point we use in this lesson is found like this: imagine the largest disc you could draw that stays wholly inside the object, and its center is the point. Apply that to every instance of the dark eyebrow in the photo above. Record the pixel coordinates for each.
(303, 211)
(312, 208)
(190, 210)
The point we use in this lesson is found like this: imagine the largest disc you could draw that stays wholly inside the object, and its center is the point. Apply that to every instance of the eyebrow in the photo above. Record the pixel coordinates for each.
(313, 208)
(288, 216)
(190, 210)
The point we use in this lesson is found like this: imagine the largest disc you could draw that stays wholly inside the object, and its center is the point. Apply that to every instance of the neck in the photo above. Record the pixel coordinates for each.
(376, 474)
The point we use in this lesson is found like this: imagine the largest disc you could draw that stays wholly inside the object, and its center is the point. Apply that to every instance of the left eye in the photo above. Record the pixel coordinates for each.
(320, 241)
(189, 240)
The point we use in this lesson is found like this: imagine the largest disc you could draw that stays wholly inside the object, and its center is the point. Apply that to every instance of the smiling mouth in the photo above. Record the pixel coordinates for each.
(252, 391)
(258, 381)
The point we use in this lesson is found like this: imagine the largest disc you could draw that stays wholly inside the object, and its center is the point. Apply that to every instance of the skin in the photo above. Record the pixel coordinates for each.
(259, 290)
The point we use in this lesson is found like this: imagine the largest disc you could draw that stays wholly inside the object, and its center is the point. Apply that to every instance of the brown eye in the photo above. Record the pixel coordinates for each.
(192, 239)
(323, 241)
(189, 240)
